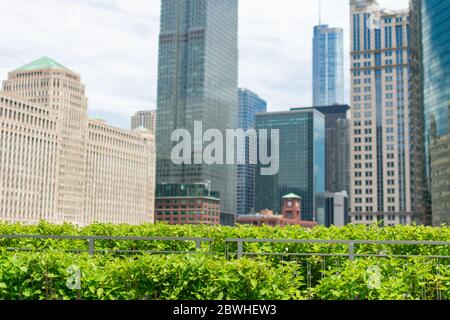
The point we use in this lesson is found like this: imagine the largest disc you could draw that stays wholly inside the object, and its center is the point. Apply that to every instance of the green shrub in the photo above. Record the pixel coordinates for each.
(393, 279)
(45, 274)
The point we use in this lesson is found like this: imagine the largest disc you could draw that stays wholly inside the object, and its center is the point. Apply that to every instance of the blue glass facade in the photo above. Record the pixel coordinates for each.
(436, 63)
(249, 105)
(302, 162)
(197, 81)
(435, 35)
(328, 66)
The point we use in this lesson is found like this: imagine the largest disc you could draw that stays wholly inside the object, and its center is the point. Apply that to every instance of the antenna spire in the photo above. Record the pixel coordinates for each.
(320, 12)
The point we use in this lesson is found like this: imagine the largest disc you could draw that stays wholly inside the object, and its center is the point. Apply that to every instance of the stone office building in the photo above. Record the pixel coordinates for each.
(57, 165)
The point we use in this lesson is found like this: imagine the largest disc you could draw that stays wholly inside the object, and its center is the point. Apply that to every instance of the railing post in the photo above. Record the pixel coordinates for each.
(240, 249)
(91, 246)
(351, 251)
(198, 244)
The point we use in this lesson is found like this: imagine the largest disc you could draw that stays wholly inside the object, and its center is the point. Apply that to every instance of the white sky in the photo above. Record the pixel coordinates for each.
(113, 45)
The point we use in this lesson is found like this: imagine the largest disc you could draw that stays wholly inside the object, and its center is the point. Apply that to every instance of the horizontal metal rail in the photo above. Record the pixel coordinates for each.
(92, 239)
(351, 254)
(36, 236)
(366, 255)
(381, 242)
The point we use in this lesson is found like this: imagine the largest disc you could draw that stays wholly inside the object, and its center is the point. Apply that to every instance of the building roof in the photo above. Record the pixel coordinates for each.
(291, 112)
(292, 196)
(141, 129)
(42, 63)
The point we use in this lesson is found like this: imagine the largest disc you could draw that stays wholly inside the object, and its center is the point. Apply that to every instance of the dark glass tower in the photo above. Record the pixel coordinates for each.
(337, 150)
(302, 162)
(419, 188)
(431, 27)
(197, 81)
(249, 105)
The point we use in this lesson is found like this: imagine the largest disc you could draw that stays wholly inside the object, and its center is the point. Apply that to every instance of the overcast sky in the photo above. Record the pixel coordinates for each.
(113, 44)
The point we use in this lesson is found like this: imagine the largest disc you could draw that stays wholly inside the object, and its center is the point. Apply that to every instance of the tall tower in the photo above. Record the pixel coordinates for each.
(337, 151)
(430, 24)
(197, 81)
(249, 105)
(380, 82)
(52, 85)
(421, 193)
(328, 66)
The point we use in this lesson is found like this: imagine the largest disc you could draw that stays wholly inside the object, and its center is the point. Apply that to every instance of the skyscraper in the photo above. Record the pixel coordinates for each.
(145, 119)
(421, 190)
(249, 105)
(382, 176)
(430, 26)
(197, 81)
(337, 131)
(328, 66)
(301, 163)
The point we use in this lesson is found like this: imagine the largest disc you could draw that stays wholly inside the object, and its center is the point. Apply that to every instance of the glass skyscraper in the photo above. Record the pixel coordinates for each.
(328, 66)
(302, 162)
(249, 105)
(197, 81)
(337, 132)
(432, 30)
(421, 197)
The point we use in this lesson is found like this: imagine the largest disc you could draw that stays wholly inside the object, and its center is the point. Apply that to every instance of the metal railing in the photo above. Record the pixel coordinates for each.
(91, 240)
(349, 250)
(351, 254)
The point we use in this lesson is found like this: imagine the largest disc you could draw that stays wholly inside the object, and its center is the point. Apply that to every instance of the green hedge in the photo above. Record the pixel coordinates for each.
(49, 276)
(44, 274)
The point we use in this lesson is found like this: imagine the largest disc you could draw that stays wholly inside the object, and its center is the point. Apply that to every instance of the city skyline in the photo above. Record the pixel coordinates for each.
(285, 47)
(198, 81)
(235, 150)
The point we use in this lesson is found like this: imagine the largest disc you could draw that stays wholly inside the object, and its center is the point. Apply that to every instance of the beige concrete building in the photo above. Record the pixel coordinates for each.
(382, 176)
(145, 119)
(120, 174)
(28, 161)
(60, 95)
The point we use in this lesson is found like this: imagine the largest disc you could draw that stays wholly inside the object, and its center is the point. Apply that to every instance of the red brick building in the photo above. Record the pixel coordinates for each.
(187, 204)
(290, 215)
